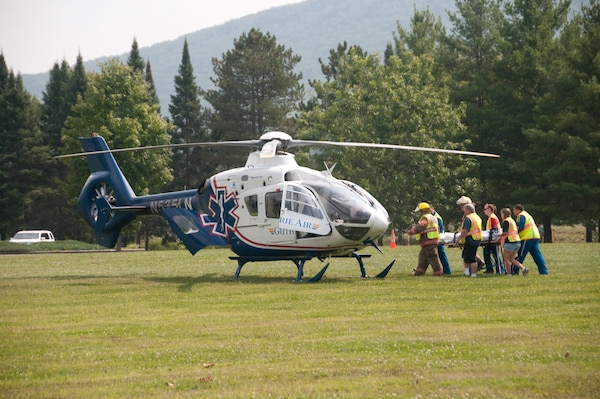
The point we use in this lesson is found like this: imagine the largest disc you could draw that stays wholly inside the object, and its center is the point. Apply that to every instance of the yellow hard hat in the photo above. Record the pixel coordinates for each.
(423, 206)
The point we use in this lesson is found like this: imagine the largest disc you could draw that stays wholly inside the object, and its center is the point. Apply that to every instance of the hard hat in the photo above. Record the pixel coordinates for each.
(423, 206)
(464, 200)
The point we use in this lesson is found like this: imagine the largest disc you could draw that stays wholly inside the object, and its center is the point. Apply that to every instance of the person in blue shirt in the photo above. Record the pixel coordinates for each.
(441, 249)
(470, 238)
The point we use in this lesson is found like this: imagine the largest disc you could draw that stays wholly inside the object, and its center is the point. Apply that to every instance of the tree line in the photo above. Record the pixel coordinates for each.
(518, 78)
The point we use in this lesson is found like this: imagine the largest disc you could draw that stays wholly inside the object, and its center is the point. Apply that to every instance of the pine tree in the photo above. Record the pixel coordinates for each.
(256, 91)
(530, 47)
(135, 60)
(473, 50)
(78, 82)
(55, 104)
(189, 165)
(151, 85)
(425, 35)
(63, 88)
(22, 154)
(331, 68)
(565, 150)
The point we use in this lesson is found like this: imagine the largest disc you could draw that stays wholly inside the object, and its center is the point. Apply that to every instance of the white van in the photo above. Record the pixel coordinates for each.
(31, 236)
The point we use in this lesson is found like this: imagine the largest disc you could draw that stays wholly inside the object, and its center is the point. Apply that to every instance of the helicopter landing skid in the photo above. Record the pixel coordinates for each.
(361, 264)
(299, 262)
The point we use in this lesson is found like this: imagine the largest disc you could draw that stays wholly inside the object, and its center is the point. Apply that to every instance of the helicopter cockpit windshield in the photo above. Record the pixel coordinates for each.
(342, 204)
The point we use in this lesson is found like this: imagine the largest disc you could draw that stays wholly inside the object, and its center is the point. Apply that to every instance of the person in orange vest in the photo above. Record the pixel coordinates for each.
(511, 242)
(530, 238)
(491, 252)
(427, 233)
(470, 239)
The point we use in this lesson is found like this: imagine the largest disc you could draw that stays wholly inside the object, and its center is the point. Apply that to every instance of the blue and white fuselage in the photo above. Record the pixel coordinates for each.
(271, 208)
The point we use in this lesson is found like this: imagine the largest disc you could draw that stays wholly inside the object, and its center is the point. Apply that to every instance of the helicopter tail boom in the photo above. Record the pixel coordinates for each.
(108, 203)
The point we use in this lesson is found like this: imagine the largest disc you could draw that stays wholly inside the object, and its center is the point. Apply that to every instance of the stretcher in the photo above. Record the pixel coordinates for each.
(488, 237)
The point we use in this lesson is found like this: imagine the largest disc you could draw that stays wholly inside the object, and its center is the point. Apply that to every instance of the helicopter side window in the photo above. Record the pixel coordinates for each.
(273, 204)
(252, 204)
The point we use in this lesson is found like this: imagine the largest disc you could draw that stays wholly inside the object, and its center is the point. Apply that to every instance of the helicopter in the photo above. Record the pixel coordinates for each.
(271, 209)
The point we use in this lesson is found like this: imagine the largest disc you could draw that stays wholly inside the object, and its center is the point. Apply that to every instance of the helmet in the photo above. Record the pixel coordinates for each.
(423, 206)
(464, 200)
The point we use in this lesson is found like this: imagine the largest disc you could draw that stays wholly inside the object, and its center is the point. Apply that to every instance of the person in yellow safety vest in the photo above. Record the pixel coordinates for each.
(491, 252)
(462, 201)
(426, 231)
(530, 238)
(470, 238)
(511, 242)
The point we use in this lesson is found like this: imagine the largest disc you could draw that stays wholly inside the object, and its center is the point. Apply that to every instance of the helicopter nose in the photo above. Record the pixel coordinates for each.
(380, 224)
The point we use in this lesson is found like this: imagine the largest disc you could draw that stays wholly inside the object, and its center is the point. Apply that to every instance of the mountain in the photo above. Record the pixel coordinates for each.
(310, 28)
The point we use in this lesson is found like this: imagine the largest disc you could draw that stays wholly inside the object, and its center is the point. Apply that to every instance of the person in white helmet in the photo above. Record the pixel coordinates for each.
(462, 201)
(470, 238)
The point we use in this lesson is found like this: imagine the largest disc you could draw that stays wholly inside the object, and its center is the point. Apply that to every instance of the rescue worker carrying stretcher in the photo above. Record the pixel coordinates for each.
(427, 233)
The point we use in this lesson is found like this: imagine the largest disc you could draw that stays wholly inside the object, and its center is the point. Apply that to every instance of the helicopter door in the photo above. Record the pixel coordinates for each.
(275, 233)
(301, 212)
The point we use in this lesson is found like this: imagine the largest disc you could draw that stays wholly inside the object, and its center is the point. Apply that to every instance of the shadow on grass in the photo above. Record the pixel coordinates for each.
(186, 283)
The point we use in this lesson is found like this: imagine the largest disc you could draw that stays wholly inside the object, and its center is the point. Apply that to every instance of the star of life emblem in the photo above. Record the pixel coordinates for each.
(222, 207)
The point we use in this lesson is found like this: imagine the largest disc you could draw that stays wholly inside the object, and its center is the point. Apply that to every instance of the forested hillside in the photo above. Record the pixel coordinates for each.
(516, 78)
(310, 29)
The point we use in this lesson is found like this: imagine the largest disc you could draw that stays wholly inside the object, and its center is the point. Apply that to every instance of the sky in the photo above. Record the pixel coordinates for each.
(35, 34)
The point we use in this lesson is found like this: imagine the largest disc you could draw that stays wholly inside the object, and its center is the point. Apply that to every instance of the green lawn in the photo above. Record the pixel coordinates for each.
(166, 324)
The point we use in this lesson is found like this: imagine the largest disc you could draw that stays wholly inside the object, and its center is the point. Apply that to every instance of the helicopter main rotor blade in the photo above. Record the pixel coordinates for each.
(240, 143)
(391, 146)
(283, 141)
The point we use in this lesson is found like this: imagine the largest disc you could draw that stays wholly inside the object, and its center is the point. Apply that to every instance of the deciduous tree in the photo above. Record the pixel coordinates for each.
(117, 106)
(396, 103)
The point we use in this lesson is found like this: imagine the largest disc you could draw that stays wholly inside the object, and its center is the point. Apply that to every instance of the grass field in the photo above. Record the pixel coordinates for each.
(166, 324)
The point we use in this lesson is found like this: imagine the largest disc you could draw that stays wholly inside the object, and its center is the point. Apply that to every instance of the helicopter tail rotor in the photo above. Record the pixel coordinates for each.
(105, 199)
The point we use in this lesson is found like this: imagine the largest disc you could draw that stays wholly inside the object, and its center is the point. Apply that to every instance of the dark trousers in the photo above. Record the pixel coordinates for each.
(492, 258)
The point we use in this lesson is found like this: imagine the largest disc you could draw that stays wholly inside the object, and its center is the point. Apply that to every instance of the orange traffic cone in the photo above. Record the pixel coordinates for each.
(393, 240)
